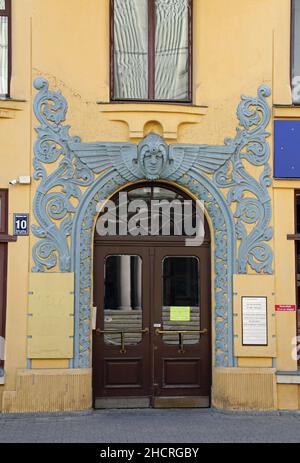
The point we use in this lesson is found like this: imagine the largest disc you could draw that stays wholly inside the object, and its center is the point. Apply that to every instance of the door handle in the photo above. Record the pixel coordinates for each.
(122, 333)
(180, 335)
(158, 332)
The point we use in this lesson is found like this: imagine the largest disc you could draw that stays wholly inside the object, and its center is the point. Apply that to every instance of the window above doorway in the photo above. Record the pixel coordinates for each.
(151, 57)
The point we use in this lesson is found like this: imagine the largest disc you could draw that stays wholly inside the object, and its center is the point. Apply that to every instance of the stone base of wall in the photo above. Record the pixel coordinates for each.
(244, 389)
(44, 391)
(288, 396)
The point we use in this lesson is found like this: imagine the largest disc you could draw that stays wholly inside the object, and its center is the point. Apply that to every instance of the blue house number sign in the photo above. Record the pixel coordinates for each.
(21, 224)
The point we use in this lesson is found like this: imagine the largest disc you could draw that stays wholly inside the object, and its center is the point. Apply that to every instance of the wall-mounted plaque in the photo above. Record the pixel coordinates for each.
(21, 224)
(285, 308)
(286, 141)
(254, 321)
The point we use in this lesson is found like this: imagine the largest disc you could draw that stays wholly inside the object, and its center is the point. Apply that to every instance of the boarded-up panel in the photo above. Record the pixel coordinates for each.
(51, 316)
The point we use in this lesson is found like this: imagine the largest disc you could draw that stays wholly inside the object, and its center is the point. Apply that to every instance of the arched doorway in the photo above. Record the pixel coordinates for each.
(152, 342)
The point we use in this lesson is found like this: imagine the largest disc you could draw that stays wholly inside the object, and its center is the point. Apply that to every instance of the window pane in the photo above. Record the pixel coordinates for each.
(161, 220)
(181, 276)
(131, 49)
(123, 299)
(2, 4)
(296, 51)
(298, 284)
(298, 261)
(172, 50)
(181, 311)
(3, 55)
(150, 210)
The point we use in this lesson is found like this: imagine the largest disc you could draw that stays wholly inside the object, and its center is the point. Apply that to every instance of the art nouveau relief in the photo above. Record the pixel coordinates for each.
(238, 203)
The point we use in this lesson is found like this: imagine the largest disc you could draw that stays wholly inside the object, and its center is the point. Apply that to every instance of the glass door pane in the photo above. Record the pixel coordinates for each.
(181, 308)
(123, 309)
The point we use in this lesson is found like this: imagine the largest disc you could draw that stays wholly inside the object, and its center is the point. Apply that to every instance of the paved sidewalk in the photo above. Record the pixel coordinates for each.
(150, 426)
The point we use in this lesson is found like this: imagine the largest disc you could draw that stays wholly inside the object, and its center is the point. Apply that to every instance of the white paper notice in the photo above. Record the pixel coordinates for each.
(254, 321)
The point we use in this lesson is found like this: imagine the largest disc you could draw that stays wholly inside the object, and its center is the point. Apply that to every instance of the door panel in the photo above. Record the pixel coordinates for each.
(120, 373)
(121, 341)
(182, 345)
(182, 373)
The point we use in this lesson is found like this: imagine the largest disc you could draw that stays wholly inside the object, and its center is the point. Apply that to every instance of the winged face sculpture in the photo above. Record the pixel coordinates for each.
(152, 159)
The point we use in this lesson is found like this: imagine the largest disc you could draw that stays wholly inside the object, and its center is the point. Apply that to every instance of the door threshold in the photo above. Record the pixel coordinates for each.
(122, 402)
(181, 402)
(156, 402)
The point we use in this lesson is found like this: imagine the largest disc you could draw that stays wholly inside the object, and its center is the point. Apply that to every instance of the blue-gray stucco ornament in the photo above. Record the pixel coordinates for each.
(238, 204)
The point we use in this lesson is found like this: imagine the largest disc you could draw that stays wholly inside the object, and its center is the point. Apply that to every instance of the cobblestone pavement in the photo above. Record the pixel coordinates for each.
(150, 426)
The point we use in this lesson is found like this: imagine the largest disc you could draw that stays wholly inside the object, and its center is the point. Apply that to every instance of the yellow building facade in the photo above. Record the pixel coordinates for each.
(65, 45)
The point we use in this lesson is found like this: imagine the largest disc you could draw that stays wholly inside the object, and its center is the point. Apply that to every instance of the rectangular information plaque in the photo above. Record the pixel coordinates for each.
(254, 321)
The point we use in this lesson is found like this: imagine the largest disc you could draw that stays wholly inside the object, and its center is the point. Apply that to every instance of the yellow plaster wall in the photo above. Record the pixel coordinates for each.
(67, 41)
(285, 276)
(288, 396)
(254, 362)
(51, 364)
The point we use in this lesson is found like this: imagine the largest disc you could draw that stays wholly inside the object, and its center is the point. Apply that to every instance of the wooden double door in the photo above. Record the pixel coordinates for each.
(152, 342)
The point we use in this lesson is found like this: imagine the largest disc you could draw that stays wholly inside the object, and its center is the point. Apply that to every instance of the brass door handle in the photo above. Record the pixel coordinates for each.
(180, 335)
(99, 332)
(122, 334)
(158, 332)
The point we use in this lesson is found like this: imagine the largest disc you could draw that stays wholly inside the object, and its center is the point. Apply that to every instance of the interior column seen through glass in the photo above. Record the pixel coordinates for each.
(123, 299)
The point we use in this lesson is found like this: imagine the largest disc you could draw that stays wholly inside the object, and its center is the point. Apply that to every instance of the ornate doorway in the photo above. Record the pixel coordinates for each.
(152, 343)
(74, 176)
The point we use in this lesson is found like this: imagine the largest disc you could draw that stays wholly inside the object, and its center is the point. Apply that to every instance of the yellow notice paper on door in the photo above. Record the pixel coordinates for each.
(180, 314)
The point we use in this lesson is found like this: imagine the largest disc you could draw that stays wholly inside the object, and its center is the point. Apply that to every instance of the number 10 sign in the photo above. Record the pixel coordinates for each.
(21, 224)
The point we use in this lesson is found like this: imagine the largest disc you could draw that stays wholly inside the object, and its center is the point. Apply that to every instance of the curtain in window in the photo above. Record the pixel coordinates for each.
(3, 55)
(296, 51)
(171, 50)
(131, 49)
